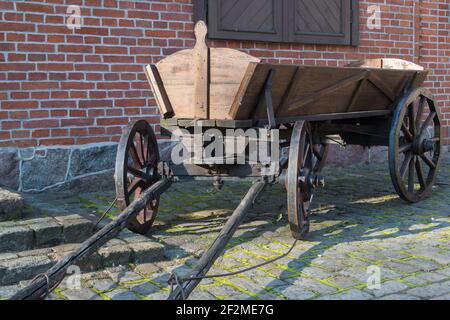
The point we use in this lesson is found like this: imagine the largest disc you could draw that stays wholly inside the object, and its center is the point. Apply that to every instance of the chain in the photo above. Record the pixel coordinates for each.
(174, 279)
(105, 213)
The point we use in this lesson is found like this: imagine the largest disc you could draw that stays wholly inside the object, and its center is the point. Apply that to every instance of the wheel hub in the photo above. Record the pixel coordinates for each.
(421, 146)
(309, 180)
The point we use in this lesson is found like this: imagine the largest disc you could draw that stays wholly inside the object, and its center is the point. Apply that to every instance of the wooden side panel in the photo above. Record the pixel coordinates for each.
(324, 90)
(244, 107)
(162, 100)
(228, 69)
(177, 75)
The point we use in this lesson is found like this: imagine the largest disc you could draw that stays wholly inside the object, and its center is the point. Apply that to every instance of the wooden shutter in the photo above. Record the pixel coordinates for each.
(319, 21)
(246, 19)
(292, 21)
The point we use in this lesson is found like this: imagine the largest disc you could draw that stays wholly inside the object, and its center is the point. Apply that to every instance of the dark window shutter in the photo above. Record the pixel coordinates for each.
(246, 19)
(293, 21)
(319, 21)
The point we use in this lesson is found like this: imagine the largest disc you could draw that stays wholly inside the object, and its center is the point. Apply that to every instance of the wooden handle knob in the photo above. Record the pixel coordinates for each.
(201, 30)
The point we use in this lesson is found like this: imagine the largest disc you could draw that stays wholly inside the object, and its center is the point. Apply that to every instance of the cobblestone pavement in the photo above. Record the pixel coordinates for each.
(359, 228)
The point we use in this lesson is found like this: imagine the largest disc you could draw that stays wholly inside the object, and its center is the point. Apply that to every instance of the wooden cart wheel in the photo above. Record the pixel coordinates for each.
(415, 145)
(301, 178)
(136, 170)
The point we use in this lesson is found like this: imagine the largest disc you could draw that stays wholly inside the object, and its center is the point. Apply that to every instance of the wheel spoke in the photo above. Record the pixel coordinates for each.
(141, 147)
(134, 185)
(411, 176)
(317, 152)
(427, 123)
(411, 119)
(407, 133)
(306, 153)
(420, 175)
(423, 101)
(135, 172)
(405, 164)
(428, 161)
(138, 145)
(135, 156)
(404, 148)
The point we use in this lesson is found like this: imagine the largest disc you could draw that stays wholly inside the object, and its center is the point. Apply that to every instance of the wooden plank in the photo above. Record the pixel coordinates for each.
(160, 94)
(297, 104)
(201, 72)
(386, 63)
(228, 71)
(329, 116)
(356, 94)
(296, 78)
(377, 82)
(237, 102)
(281, 81)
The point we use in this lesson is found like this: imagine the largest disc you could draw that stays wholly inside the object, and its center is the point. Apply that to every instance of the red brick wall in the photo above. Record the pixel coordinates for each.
(65, 87)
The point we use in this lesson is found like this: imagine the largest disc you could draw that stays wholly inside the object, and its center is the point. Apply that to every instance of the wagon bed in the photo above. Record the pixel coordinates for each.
(225, 84)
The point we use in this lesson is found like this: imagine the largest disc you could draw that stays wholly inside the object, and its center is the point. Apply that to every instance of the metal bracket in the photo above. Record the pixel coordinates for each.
(266, 98)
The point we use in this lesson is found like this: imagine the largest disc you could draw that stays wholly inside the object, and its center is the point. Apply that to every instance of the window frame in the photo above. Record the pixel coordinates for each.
(203, 11)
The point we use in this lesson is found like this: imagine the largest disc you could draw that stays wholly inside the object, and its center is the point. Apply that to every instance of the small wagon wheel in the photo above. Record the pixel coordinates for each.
(302, 177)
(415, 145)
(136, 170)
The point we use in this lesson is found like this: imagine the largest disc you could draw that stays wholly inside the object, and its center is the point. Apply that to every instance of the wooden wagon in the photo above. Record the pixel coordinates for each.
(378, 102)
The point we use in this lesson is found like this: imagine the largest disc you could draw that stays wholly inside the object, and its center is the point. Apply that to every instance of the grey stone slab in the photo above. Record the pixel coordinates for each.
(47, 233)
(11, 204)
(295, 293)
(122, 294)
(147, 251)
(15, 238)
(9, 169)
(430, 291)
(92, 159)
(431, 276)
(81, 294)
(45, 171)
(7, 292)
(101, 285)
(124, 276)
(12, 271)
(77, 230)
(147, 268)
(223, 291)
(388, 287)
(115, 255)
(143, 288)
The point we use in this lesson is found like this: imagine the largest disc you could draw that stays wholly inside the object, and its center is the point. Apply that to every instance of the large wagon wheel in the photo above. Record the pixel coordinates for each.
(415, 145)
(302, 176)
(136, 170)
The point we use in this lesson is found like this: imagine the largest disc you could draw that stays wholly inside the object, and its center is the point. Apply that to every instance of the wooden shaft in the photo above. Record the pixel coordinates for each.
(37, 289)
(219, 244)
